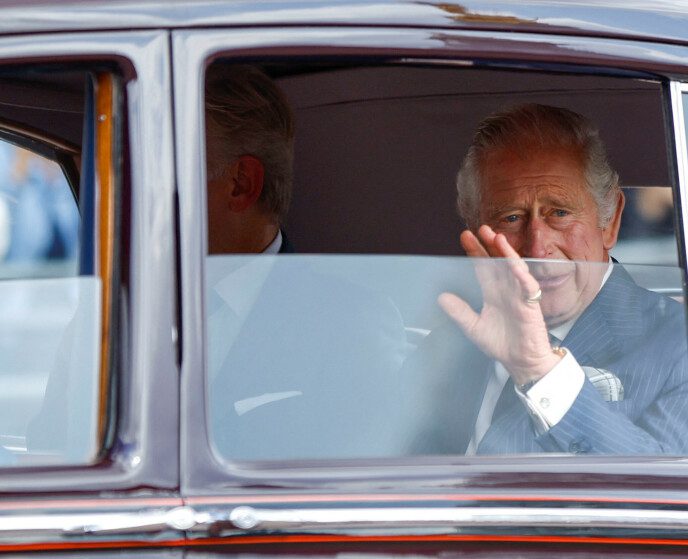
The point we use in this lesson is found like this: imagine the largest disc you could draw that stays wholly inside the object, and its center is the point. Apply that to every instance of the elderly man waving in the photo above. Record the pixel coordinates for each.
(536, 184)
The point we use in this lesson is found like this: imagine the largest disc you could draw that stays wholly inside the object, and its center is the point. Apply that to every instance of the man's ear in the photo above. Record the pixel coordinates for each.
(246, 176)
(611, 232)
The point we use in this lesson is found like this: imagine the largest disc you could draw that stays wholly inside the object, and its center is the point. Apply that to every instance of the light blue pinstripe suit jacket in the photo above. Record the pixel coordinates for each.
(638, 335)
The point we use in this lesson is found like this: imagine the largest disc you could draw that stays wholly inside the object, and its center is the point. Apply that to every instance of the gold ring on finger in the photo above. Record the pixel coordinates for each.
(535, 298)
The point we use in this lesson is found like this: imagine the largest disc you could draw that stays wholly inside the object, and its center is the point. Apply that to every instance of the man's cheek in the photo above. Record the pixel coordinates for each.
(580, 242)
(514, 240)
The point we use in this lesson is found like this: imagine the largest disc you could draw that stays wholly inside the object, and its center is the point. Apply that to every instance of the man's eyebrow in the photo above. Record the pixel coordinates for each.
(496, 209)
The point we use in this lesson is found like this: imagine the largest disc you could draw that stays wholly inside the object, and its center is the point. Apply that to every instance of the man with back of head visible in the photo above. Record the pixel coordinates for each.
(300, 363)
(250, 149)
(536, 183)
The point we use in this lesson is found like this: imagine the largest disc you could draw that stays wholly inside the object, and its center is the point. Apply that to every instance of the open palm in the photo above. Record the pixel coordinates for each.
(508, 328)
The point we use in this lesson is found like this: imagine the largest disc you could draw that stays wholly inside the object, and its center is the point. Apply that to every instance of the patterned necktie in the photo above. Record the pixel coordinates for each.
(507, 399)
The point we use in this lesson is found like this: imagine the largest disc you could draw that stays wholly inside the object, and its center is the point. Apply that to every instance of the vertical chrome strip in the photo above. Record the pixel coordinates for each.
(677, 90)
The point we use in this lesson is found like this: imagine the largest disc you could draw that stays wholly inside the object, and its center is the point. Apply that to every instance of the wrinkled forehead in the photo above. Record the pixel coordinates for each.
(527, 150)
(528, 172)
(531, 164)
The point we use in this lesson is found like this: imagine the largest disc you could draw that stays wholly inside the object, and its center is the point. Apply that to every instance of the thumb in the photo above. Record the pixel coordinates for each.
(459, 311)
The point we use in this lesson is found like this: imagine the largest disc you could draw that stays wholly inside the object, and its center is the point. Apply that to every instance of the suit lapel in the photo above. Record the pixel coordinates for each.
(450, 373)
(264, 339)
(611, 322)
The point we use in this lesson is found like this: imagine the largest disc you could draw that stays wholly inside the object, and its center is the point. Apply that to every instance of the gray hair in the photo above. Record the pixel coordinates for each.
(544, 126)
(247, 114)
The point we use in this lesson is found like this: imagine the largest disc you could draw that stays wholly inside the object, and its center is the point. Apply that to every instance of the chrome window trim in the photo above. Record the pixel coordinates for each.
(415, 520)
(677, 91)
(151, 524)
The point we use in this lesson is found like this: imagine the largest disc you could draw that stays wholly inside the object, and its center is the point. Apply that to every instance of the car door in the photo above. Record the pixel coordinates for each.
(89, 365)
(383, 116)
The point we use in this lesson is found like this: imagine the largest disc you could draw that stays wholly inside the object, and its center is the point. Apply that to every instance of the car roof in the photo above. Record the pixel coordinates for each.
(660, 20)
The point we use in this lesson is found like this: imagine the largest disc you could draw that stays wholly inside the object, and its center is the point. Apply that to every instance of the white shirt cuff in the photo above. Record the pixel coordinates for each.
(552, 396)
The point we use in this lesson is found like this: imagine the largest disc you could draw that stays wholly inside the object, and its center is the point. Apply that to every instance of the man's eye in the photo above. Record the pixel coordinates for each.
(511, 218)
(560, 213)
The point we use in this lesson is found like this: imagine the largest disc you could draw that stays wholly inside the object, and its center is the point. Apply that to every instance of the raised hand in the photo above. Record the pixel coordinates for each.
(510, 328)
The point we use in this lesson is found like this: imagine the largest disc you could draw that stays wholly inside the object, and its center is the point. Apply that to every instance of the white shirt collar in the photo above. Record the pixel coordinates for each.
(239, 289)
(238, 278)
(276, 244)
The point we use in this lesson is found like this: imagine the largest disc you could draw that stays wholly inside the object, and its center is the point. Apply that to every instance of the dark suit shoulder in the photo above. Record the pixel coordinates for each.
(446, 376)
(287, 247)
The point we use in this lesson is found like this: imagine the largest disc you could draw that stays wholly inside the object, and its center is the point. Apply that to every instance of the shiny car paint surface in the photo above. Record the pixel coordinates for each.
(157, 483)
(639, 20)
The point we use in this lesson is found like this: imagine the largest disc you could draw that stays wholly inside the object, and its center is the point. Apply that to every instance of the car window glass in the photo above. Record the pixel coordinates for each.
(351, 356)
(39, 216)
(647, 228)
(50, 322)
(334, 346)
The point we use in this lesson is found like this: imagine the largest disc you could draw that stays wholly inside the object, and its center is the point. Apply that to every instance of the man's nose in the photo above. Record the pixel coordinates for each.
(537, 240)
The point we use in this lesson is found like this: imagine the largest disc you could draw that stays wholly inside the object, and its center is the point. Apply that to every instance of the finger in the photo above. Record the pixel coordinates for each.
(504, 247)
(518, 266)
(508, 252)
(472, 245)
(459, 311)
(488, 237)
(498, 247)
(484, 269)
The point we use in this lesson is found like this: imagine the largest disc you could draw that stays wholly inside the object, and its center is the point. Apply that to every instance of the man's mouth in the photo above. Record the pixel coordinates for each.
(548, 283)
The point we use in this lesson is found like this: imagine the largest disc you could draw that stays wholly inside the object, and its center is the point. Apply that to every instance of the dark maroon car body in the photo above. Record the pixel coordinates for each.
(156, 487)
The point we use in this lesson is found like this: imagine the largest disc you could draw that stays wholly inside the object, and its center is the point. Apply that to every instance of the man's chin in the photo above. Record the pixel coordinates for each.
(558, 312)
